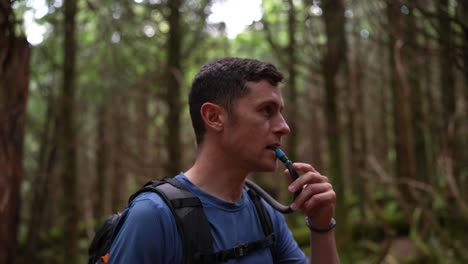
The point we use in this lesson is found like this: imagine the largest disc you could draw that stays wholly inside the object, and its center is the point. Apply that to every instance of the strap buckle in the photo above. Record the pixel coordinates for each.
(241, 250)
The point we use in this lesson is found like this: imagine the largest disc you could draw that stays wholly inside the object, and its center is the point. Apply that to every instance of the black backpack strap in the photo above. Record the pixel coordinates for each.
(265, 221)
(243, 249)
(191, 220)
(236, 252)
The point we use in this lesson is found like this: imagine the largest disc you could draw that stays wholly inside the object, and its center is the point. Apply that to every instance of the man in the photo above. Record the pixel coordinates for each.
(235, 106)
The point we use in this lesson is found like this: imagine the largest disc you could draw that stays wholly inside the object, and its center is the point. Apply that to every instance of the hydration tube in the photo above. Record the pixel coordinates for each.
(266, 196)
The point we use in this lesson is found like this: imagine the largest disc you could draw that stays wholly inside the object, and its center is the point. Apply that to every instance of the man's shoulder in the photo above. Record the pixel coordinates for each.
(148, 196)
(146, 231)
(148, 201)
(143, 212)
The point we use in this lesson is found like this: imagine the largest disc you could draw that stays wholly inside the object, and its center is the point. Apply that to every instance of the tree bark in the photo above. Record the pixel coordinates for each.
(14, 79)
(102, 162)
(174, 77)
(333, 61)
(418, 119)
(447, 83)
(119, 176)
(463, 146)
(141, 133)
(315, 128)
(69, 135)
(358, 138)
(292, 87)
(405, 155)
(432, 114)
(42, 184)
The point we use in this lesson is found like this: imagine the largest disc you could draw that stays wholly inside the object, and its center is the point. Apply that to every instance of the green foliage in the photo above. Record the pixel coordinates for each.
(302, 236)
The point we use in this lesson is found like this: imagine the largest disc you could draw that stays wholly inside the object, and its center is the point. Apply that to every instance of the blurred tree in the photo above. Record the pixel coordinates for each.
(404, 146)
(413, 53)
(462, 16)
(451, 158)
(41, 193)
(102, 160)
(334, 60)
(68, 135)
(357, 121)
(14, 81)
(447, 82)
(174, 76)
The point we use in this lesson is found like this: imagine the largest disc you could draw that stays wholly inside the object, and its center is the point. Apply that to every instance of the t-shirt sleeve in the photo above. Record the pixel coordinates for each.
(148, 235)
(287, 248)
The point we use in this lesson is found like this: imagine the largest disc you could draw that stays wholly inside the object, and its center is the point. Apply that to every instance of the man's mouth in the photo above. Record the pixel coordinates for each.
(272, 147)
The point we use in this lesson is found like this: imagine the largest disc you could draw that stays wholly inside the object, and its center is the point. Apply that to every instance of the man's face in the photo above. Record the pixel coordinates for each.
(255, 123)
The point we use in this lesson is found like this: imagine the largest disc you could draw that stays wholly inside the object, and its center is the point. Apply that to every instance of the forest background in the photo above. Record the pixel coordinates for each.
(93, 104)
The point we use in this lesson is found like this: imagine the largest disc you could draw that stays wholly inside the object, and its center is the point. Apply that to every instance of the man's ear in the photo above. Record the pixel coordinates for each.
(213, 115)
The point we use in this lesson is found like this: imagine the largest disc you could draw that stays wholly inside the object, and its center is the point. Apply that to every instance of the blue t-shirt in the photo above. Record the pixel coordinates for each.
(149, 233)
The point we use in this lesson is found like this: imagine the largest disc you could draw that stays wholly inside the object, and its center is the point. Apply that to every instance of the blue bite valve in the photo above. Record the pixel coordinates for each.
(281, 156)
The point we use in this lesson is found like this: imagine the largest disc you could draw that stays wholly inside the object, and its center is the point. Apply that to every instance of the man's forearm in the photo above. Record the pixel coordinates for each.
(323, 248)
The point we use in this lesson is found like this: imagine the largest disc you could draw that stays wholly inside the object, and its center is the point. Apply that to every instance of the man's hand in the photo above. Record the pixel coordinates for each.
(317, 199)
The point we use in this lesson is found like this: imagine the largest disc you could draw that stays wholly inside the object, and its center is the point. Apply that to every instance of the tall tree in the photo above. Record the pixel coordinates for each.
(357, 128)
(174, 77)
(40, 194)
(413, 54)
(119, 157)
(102, 160)
(14, 80)
(447, 82)
(69, 134)
(291, 50)
(333, 60)
(404, 146)
(463, 17)
(452, 154)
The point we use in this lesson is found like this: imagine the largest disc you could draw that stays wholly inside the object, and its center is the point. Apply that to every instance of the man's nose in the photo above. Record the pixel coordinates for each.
(282, 126)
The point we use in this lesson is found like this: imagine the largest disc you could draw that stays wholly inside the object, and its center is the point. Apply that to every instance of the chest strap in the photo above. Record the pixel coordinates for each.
(236, 252)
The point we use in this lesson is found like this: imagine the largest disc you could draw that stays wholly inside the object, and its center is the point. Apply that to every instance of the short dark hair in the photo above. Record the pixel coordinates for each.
(222, 82)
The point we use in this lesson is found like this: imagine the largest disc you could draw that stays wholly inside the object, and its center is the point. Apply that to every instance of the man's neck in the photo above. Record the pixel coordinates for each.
(215, 174)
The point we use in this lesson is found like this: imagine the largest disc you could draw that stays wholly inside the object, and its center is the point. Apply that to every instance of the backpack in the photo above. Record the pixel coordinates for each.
(192, 225)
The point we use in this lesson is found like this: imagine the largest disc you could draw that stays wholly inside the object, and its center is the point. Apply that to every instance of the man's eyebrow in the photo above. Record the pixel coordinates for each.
(273, 102)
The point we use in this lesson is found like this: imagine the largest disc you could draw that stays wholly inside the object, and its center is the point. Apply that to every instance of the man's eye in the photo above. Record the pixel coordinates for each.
(267, 111)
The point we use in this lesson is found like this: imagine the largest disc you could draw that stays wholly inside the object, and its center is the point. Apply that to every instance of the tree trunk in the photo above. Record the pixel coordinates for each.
(419, 120)
(433, 120)
(405, 155)
(42, 183)
(333, 61)
(174, 77)
(141, 134)
(102, 162)
(69, 134)
(315, 128)
(463, 146)
(382, 135)
(292, 87)
(14, 79)
(119, 156)
(451, 159)
(357, 128)
(447, 83)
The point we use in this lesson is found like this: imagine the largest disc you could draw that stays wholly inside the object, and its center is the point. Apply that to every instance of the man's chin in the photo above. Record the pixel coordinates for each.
(269, 168)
